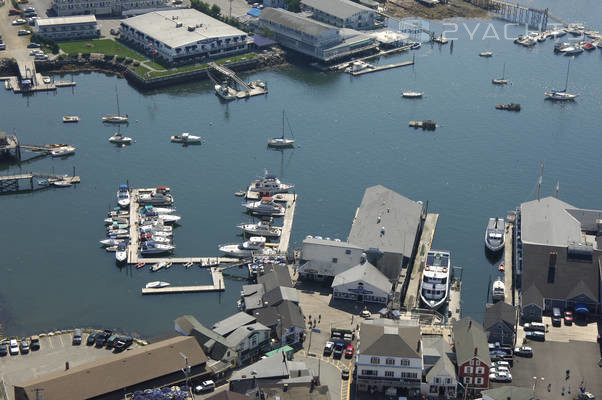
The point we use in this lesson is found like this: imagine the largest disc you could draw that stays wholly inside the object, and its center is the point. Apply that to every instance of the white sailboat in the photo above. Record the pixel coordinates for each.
(116, 119)
(281, 142)
(411, 94)
(562, 95)
(502, 80)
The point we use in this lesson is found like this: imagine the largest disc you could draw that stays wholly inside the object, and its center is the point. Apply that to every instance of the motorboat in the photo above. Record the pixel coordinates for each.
(556, 33)
(155, 248)
(498, 289)
(165, 218)
(121, 254)
(502, 80)
(111, 249)
(158, 197)
(70, 118)
(281, 142)
(253, 246)
(116, 119)
(157, 285)
(149, 237)
(562, 95)
(434, 290)
(123, 196)
(160, 210)
(575, 29)
(265, 206)
(117, 219)
(358, 66)
(494, 234)
(261, 228)
(155, 233)
(158, 266)
(589, 46)
(224, 91)
(186, 138)
(270, 185)
(156, 226)
(111, 242)
(62, 151)
(560, 46)
(118, 138)
(573, 51)
(415, 45)
(486, 54)
(411, 94)
(440, 39)
(61, 183)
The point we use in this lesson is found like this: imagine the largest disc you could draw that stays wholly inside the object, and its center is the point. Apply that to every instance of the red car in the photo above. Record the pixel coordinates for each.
(349, 351)
(14, 12)
(568, 317)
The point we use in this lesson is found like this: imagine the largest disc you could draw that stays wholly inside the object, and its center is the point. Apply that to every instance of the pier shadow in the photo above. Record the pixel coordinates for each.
(311, 287)
(493, 257)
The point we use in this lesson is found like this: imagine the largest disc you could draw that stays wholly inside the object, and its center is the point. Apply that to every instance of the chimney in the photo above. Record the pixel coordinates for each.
(418, 347)
(476, 351)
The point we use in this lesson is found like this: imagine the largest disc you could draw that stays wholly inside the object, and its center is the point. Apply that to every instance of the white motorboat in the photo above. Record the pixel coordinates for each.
(62, 151)
(498, 289)
(155, 248)
(70, 118)
(411, 95)
(494, 234)
(261, 228)
(253, 246)
(156, 226)
(155, 233)
(358, 66)
(61, 183)
(502, 80)
(269, 185)
(265, 206)
(164, 218)
(111, 249)
(556, 33)
(160, 239)
(115, 232)
(486, 54)
(562, 95)
(111, 242)
(224, 91)
(157, 285)
(123, 196)
(116, 119)
(158, 197)
(186, 138)
(121, 254)
(281, 142)
(160, 210)
(158, 266)
(434, 290)
(118, 138)
(572, 51)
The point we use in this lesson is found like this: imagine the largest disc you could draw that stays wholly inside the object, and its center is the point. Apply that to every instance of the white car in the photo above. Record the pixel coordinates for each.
(500, 377)
(23, 32)
(19, 21)
(13, 347)
(35, 51)
(498, 364)
(328, 347)
(499, 369)
(41, 57)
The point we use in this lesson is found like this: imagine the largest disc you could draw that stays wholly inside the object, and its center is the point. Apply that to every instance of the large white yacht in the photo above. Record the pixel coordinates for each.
(253, 246)
(434, 289)
(261, 228)
(265, 206)
(498, 290)
(270, 185)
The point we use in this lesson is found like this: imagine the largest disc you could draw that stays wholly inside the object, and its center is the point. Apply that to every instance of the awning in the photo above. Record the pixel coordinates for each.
(581, 308)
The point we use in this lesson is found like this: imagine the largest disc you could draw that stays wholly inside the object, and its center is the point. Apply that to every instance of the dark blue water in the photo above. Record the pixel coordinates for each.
(351, 133)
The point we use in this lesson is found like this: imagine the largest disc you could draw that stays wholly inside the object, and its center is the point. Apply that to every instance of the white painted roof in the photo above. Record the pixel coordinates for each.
(76, 19)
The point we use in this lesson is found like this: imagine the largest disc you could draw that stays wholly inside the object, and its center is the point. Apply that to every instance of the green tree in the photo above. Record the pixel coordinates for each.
(215, 11)
(294, 6)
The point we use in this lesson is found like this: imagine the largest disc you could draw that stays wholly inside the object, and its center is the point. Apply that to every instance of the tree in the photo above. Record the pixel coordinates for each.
(294, 6)
(215, 11)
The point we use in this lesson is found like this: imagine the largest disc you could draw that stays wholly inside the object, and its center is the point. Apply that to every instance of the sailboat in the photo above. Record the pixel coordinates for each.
(281, 142)
(502, 80)
(562, 95)
(116, 119)
(118, 138)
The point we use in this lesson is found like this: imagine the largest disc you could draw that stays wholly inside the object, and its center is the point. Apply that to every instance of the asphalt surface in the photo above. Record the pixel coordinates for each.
(16, 46)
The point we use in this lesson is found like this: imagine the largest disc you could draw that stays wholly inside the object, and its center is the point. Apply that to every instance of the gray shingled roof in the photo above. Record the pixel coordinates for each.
(332, 243)
(214, 345)
(277, 276)
(253, 296)
(295, 21)
(279, 294)
(500, 311)
(232, 323)
(290, 314)
(339, 8)
(240, 334)
(390, 338)
(547, 221)
(274, 366)
(468, 336)
(399, 216)
(509, 393)
(365, 272)
(444, 365)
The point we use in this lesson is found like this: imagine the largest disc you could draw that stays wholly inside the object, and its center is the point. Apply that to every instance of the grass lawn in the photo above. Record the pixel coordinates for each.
(156, 74)
(104, 46)
(140, 70)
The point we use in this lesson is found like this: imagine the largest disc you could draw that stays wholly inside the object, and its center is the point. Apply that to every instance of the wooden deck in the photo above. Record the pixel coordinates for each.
(508, 288)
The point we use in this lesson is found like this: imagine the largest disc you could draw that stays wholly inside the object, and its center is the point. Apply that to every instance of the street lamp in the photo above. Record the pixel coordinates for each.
(186, 369)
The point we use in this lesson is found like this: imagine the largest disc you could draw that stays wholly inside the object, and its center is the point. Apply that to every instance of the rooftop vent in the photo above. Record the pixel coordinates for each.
(191, 28)
(178, 25)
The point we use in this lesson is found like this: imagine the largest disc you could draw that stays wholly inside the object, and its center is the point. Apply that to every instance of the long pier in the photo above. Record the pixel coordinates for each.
(10, 183)
(514, 12)
(508, 264)
(342, 66)
(382, 68)
(217, 286)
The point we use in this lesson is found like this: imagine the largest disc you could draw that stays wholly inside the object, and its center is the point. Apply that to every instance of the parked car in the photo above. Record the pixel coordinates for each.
(23, 32)
(339, 347)
(35, 51)
(206, 386)
(41, 57)
(523, 351)
(328, 347)
(498, 369)
(586, 396)
(13, 347)
(111, 341)
(536, 335)
(12, 11)
(24, 346)
(502, 364)
(3, 349)
(101, 339)
(92, 338)
(365, 314)
(345, 374)
(2, 46)
(34, 343)
(123, 343)
(568, 318)
(349, 351)
(33, 45)
(534, 326)
(500, 377)
(77, 337)
(556, 317)
(19, 21)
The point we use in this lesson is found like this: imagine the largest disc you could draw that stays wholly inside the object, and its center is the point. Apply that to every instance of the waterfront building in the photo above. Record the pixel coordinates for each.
(313, 38)
(499, 323)
(340, 13)
(323, 259)
(558, 249)
(154, 365)
(183, 36)
(389, 356)
(102, 7)
(285, 320)
(472, 354)
(509, 392)
(67, 28)
(387, 226)
(439, 378)
(213, 344)
(362, 283)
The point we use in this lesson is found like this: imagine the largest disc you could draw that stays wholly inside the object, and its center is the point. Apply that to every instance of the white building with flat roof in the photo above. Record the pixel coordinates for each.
(183, 35)
(102, 7)
(67, 28)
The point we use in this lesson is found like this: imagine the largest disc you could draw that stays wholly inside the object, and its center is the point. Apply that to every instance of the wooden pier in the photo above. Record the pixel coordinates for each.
(245, 89)
(10, 183)
(382, 68)
(508, 245)
(514, 12)
(216, 276)
(342, 66)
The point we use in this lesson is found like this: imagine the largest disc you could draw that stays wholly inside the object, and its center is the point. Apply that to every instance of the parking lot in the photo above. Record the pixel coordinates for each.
(564, 333)
(54, 352)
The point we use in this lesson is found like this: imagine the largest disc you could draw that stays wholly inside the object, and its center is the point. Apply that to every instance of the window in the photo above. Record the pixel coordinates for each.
(389, 373)
(334, 260)
(472, 362)
(467, 380)
(405, 363)
(480, 370)
(369, 372)
(375, 360)
(448, 381)
(468, 370)
(478, 381)
(437, 381)
(390, 361)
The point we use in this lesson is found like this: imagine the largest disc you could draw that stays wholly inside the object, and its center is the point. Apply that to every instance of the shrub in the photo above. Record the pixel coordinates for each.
(120, 58)
(86, 55)
(128, 60)
(136, 63)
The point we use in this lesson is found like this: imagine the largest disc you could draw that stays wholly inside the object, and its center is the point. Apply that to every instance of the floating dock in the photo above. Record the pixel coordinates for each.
(454, 306)
(382, 68)
(216, 276)
(10, 183)
(342, 66)
(245, 89)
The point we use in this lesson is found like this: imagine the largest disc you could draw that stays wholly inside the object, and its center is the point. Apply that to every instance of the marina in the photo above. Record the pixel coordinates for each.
(19, 182)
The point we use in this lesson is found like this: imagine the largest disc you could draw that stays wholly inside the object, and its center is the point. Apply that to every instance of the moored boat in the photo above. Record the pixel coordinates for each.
(261, 228)
(281, 142)
(486, 54)
(498, 290)
(158, 266)
(224, 91)
(412, 94)
(118, 138)
(123, 196)
(265, 206)
(155, 248)
(269, 185)
(434, 290)
(494, 234)
(121, 254)
(562, 95)
(62, 151)
(251, 247)
(70, 118)
(116, 119)
(157, 285)
(158, 197)
(186, 138)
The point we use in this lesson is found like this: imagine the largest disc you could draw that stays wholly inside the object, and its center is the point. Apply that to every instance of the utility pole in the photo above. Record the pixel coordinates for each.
(186, 369)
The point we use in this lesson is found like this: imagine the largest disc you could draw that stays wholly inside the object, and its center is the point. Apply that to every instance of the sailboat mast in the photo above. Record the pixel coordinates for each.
(117, 97)
(504, 71)
(566, 84)
(282, 124)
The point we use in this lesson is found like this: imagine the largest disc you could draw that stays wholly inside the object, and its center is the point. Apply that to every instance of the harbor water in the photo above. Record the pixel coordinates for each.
(351, 132)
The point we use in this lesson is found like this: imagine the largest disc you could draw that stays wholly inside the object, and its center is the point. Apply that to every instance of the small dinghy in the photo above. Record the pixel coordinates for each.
(158, 266)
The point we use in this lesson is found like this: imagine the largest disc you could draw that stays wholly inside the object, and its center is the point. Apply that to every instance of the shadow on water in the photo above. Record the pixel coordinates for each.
(493, 257)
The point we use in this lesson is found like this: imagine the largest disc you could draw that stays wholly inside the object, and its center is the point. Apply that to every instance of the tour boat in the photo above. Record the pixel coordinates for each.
(157, 285)
(253, 246)
(155, 248)
(118, 138)
(265, 206)
(158, 266)
(562, 95)
(411, 95)
(158, 197)
(498, 290)
(121, 254)
(186, 138)
(123, 196)
(502, 80)
(269, 184)
(494, 234)
(70, 118)
(486, 54)
(434, 290)
(62, 151)
(261, 228)
(281, 142)
(224, 91)
(116, 119)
